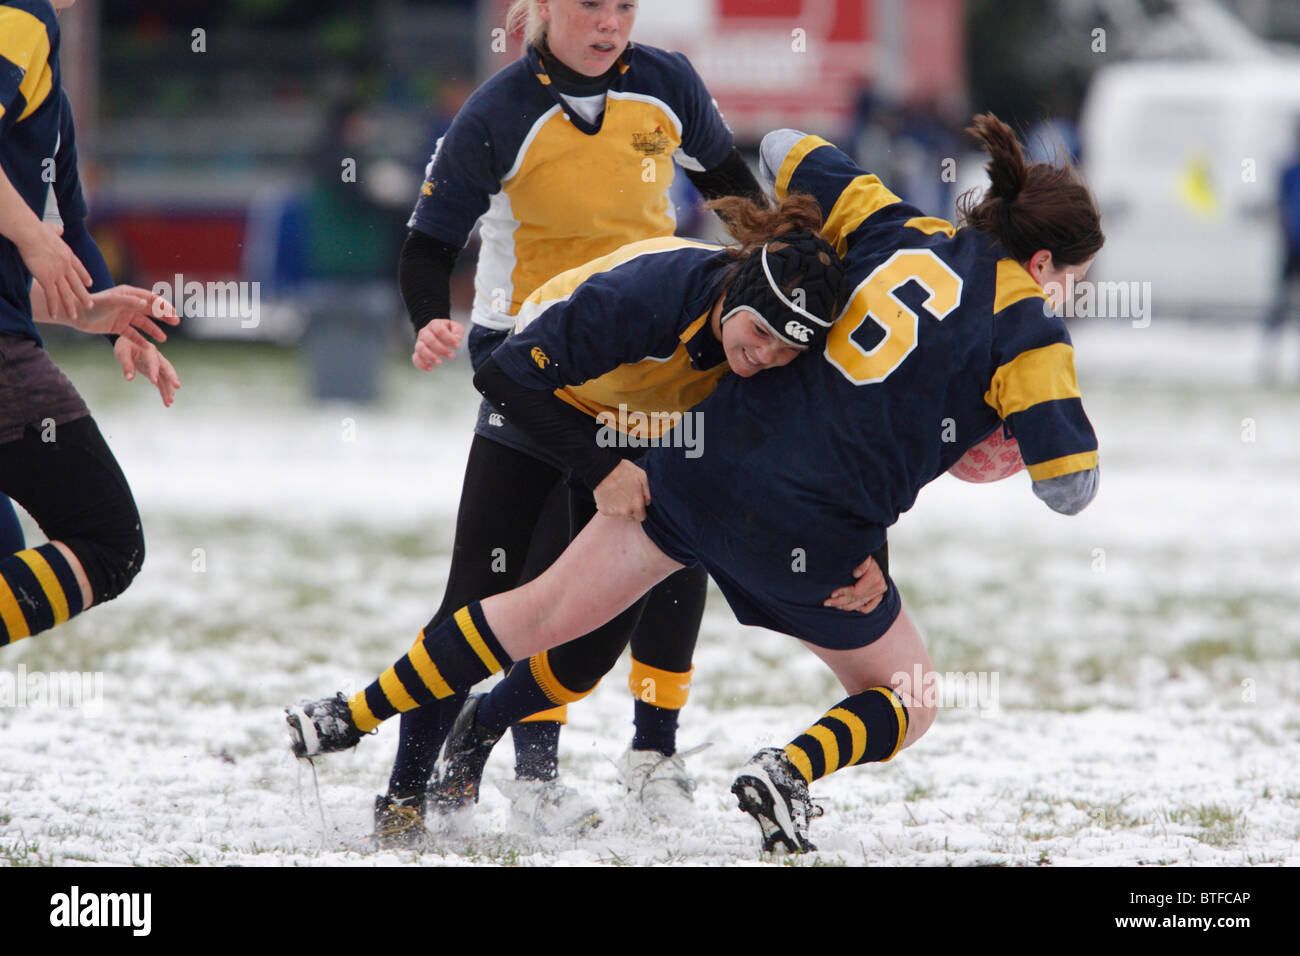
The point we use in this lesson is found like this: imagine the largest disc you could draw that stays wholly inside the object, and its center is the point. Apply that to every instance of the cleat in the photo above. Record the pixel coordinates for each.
(464, 755)
(399, 823)
(773, 792)
(550, 808)
(659, 783)
(321, 726)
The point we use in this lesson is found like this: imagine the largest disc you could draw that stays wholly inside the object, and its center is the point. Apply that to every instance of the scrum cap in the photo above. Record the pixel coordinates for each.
(816, 294)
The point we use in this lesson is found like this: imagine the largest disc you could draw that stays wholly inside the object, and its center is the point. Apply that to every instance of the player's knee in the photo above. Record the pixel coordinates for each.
(920, 718)
(577, 673)
(110, 559)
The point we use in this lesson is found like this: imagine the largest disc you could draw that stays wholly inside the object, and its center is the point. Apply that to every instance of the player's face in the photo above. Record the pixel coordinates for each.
(751, 347)
(588, 35)
(61, 5)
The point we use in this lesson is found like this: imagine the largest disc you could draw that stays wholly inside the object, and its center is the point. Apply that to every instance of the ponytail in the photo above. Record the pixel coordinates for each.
(1032, 206)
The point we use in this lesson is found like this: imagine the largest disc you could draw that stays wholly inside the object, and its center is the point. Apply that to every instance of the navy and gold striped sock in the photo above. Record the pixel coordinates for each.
(526, 691)
(38, 591)
(660, 696)
(451, 658)
(866, 727)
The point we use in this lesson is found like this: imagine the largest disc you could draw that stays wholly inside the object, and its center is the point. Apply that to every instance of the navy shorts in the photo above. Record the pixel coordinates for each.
(491, 424)
(772, 579)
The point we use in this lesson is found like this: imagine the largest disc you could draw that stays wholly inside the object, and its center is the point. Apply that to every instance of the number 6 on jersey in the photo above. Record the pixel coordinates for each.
(875, 299)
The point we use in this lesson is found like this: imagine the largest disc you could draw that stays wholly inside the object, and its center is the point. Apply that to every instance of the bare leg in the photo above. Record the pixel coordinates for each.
(83, 582)
(890, 661)
(602, 573)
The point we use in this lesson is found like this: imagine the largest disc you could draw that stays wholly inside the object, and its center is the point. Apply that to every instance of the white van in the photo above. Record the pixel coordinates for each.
(1185, 160)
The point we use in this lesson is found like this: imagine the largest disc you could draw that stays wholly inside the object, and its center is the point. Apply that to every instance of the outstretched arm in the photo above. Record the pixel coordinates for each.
(122, 310)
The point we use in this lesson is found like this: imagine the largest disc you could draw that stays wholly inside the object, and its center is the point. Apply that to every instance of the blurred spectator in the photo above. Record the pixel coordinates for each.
(1287, 303)
(353, 231)
(906, 147)
(1053, 140)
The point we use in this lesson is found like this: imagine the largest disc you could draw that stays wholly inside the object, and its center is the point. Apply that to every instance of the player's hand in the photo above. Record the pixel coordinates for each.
(127, 311)
(54, 265)
(863, 596)
(624, 493)
(147, 360)
(437, 341)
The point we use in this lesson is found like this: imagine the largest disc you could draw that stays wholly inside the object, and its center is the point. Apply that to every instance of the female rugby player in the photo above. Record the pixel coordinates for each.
(947, 334)
(53, 459)
(562, 157)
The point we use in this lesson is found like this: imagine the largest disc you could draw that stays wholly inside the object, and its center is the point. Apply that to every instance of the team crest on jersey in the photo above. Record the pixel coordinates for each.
(540, 357)
(427, 188)
(800, 333)
(650, 144)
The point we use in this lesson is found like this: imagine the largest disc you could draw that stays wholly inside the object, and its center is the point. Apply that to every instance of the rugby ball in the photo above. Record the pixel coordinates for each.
(993, 459)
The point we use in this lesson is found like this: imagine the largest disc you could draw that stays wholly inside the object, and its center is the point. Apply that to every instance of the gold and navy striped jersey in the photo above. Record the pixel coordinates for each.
(553, 191)
(37, 149)
(629, 329)
(944, 338)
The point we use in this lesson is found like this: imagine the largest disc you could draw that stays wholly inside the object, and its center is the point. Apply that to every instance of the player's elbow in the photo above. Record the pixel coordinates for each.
(1068, 494)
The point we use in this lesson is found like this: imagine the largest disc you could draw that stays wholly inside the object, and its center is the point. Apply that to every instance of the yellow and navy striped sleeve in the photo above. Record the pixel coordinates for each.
(28, 46)
(1033, 387)
(853, 202)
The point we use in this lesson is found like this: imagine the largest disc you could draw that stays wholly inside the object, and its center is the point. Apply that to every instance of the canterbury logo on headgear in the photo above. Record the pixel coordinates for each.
(797, 331)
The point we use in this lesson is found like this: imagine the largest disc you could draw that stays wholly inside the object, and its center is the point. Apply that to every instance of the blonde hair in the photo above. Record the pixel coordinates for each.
(524, 15)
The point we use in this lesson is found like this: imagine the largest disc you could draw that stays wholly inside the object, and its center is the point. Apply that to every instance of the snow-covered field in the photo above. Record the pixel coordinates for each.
(1148, 685)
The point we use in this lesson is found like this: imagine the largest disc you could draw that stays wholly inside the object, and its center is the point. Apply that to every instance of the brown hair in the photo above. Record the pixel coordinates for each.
(1031, 206)
(751, 225)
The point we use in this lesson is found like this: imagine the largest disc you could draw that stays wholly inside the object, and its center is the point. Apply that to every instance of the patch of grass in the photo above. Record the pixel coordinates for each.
(1202, 654)
(1109, 816)
(19, 852)
(1094, 669)
(1219, 825)
(806, 859)
(917, 791)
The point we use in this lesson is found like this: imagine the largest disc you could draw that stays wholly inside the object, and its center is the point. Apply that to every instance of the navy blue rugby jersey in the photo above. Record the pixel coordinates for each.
(944, 338)
(554, 191)
(628, 329)
(37, 144)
